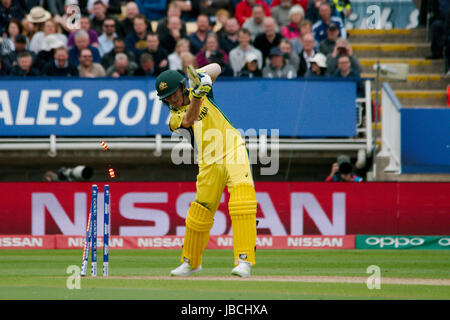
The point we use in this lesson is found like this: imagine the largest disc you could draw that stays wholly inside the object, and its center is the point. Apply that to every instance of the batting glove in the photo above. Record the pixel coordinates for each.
(204, 87)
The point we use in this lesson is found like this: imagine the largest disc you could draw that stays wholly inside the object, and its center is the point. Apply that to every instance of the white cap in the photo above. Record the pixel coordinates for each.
(251, 57)
(320, 59)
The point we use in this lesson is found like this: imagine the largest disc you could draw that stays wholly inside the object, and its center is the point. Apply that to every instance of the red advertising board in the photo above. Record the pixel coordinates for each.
(284, 209)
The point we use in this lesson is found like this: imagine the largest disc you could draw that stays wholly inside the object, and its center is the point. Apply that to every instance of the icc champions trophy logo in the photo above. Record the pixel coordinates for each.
(73, 15)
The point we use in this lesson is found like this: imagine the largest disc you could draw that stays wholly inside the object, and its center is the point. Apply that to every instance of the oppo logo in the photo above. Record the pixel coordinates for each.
(395, 241)
(445, 242)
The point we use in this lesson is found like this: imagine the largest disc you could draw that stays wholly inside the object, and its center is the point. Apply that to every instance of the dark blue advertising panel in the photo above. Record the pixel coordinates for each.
(130, 107)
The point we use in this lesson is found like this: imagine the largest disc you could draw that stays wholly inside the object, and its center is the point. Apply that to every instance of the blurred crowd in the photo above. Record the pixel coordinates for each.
(248, 38)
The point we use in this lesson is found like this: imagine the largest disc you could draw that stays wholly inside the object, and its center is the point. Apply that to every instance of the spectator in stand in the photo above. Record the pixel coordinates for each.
(137, 40)
(125, 26)
(51, 42)
(10, 10)
(186, 9)
(280, 12)
(121, 67)
(50, 28)
(327, 45)
(113, 6)
(81, 40)
(119, 47)
(343, 7)
(277, 67)
(292, 30)
(176, 33)
(24, 66)
(159, 54)
(13, 29)
(345, 70)
(229, 39)
(210, 8)
(250, 69)
(291, 57)
(60, 66)
(254, 24)
(221, 18)
(269, 39)
(342, 47)
(302, 3)
(11, 59)
(312, 11)
(146, 66)
(318, 66)
(106, 39)
(297, 43)
(198, 38)
(99, 15)
(238, 54)
(188, 59)
(306, 54)
(342, 171)
(85, 24)
(243, 10)
(2, 71)
(320, 27)
(440, 31)
(87, 68)
(173, 10)
(175, 57)
(35, 21)
(212, 53)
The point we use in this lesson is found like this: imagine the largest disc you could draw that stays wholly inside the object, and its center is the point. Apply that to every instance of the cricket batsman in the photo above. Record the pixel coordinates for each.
(223, 161)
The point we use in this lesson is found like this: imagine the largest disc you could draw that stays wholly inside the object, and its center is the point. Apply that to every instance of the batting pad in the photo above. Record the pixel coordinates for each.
(242, 208)
(199, 221)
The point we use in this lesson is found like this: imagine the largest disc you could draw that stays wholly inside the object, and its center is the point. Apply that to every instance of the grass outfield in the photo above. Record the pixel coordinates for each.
(279, 274)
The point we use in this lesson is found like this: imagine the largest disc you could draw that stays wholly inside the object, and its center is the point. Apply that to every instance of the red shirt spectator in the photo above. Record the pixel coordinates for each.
(243, 10)
(303, 3)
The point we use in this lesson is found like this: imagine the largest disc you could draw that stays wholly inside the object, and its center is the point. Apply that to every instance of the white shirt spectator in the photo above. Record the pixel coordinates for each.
(237, 58)
(104, 44)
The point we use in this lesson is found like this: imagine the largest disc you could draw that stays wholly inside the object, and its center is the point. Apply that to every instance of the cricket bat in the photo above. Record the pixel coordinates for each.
(193, 75)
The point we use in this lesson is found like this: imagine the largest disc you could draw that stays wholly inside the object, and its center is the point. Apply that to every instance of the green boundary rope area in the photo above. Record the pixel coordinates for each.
(278, 275)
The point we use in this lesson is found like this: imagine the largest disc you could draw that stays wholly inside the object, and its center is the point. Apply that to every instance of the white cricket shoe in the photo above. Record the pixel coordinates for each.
(242, 269)
(184, 270)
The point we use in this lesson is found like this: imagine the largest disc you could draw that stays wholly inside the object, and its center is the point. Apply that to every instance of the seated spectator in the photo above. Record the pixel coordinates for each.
(125, 26)
(312, 11)
(250, 69)
(342, 47)
(440, 32)
(254, 24)
(85, 24)
(277, 67)
(211, 8)
(13, 29)
(119, 47)
(280, 12)
(343, 7)
(49, 28)
(238, 54)
(24, 66)
(60, 66)
(306, 54)
(318, 66)
(11, 59)
(212, 50)
(175, 57)
(186, 9)
(269, 39)
(291, 57)
(326, 46)
(136, 41)
(188, 59)
(146, 66)
(229, 38)
(222, 15)
(198, 38)
(243, 10)
(10, 9)
(106, 39)
(176, 33)
(51, 42)
(81, 40)
(87, 68)
(121, 67)
(302, 3)
(98, 16)
(345, 70)
(34, 24)
(173, 10)
(292, 30)
(342, 171)
(297, 43)
(159, 54)
(320, 27)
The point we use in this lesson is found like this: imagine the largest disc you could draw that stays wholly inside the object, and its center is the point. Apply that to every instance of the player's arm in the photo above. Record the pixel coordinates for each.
(212, 69)
(192, 113)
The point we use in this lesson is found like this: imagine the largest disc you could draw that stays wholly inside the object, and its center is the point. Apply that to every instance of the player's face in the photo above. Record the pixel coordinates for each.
(176, 99)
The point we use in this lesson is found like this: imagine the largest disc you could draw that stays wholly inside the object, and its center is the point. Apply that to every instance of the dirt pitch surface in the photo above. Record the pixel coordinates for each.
(320, 279)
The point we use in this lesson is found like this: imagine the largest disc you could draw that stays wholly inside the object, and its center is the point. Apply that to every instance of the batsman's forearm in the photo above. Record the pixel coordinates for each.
(192, 113)
(213, 69)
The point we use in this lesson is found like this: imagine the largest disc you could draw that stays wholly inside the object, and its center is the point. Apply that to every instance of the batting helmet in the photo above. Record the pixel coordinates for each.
(168, 82)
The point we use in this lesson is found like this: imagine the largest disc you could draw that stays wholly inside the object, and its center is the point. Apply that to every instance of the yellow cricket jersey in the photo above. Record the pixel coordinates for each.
(214, 135)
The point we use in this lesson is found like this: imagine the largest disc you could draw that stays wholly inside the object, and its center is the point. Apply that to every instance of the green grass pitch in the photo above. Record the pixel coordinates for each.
(279, 274)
